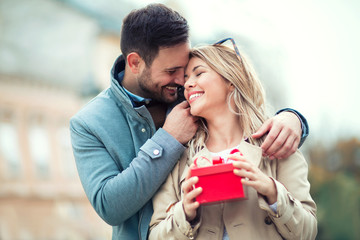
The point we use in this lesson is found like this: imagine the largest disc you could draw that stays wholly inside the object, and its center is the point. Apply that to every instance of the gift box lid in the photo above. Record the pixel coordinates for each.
(213, 169)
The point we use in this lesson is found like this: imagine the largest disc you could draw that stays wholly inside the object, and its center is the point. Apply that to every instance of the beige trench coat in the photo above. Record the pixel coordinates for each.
(243, 219)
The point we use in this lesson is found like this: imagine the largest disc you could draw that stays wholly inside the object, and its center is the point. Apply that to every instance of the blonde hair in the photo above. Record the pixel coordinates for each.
(248, 94)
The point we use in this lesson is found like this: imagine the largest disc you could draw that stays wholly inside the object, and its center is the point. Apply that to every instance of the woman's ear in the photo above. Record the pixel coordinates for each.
(231, 87)
(134, 61)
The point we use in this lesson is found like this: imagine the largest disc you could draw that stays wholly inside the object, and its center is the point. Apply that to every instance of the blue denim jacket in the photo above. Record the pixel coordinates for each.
(121, 159)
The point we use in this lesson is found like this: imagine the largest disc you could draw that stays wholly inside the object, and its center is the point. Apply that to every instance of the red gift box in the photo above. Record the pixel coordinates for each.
(219, 183)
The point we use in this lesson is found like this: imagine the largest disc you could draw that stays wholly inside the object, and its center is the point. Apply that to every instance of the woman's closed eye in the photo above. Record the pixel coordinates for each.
(197, 74)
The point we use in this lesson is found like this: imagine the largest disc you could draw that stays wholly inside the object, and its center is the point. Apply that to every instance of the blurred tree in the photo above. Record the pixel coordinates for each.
(334, 175)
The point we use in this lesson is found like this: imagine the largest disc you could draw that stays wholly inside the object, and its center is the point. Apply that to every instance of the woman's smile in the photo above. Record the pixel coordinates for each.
(194, 95)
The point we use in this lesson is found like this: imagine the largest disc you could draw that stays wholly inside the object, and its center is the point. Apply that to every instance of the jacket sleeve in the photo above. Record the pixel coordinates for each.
(169, 220)
(117, 194)
(296, 210)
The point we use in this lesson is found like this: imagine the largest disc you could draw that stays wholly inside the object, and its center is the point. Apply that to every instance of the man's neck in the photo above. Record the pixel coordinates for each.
(129, 81)
(158, 113)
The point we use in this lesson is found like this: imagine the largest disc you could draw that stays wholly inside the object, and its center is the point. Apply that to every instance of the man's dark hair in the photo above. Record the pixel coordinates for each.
(147, 29)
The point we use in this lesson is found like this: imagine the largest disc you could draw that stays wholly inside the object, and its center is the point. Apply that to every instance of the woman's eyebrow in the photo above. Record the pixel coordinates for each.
(196, 67)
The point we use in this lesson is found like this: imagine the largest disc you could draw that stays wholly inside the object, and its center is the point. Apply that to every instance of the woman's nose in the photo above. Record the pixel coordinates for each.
(189, 83)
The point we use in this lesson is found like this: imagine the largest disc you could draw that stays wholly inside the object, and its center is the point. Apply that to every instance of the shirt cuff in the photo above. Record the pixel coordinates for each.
(273, 207)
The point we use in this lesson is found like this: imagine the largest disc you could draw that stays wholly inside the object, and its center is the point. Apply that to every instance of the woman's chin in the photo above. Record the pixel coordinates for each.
(195, 112)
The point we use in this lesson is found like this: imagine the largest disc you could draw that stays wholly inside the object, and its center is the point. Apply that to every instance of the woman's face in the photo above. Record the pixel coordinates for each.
(205, 90)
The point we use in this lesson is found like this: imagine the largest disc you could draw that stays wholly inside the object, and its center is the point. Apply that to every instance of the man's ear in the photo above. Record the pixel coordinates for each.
(134, 61)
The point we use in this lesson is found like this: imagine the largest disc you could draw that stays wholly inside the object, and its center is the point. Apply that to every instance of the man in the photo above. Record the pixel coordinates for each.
(124, 142)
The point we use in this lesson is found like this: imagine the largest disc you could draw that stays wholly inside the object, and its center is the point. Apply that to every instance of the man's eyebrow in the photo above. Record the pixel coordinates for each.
(173, 68)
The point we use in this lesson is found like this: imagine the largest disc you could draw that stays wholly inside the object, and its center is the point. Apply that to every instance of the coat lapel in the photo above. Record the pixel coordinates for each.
(251, 152)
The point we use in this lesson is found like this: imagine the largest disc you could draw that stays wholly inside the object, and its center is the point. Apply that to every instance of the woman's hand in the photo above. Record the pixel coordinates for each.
(253, 177)
(190, 204)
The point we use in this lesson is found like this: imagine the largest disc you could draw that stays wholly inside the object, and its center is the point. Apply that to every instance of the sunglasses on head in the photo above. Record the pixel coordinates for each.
(234, 46)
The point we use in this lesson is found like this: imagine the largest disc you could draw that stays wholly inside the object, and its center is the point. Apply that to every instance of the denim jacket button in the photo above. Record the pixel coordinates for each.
(156, 152)
(268, 220)
(143, 130)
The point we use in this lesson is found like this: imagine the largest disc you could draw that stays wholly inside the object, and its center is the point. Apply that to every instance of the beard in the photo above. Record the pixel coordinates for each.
(154, 90)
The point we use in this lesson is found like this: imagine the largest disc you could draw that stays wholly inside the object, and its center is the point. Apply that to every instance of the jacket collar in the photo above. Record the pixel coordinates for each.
(115, 87)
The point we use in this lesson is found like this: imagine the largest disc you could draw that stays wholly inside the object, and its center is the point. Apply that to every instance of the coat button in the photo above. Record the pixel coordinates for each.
(156, 152)
(143, 130)
(268, 220)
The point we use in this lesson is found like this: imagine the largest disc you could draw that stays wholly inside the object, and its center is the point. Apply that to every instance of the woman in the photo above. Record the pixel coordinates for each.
(223, 90)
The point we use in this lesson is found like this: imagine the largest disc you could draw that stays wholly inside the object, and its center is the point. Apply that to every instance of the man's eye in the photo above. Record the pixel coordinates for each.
(171, 72)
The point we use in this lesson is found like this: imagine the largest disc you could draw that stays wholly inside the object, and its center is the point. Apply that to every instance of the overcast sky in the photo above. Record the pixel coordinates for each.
(306, 52)
(319, 41)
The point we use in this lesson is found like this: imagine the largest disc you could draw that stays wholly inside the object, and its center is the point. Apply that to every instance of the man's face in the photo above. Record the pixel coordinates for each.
(166, 74)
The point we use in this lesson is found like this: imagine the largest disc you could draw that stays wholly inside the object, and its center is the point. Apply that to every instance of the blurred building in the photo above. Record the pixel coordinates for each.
(54, 57)
(41, 196)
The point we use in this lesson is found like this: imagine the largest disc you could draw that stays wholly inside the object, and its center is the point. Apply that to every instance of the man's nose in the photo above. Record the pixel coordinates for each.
(179, 78)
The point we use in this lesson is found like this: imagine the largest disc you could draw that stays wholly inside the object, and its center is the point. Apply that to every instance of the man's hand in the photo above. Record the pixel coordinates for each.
(180, 124)
(284, 134)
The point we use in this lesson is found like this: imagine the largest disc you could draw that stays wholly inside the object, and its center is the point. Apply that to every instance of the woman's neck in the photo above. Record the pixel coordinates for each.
(224, 134)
